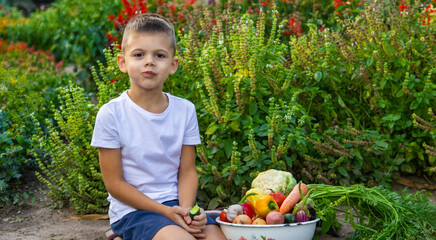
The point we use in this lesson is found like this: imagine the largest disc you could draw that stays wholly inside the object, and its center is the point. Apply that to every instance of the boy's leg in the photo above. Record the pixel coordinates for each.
(213, 232)
(171, 232)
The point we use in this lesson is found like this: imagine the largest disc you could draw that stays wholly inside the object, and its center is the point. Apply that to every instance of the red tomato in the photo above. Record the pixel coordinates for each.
(278, 197)
(223, 216)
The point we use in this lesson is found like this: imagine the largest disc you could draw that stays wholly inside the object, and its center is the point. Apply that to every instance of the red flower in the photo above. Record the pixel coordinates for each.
(426, 15)
(189, 2)
(110, 37)
(249, 10)
(402, 7)
(111, 17)
(266, 3)
(338, 3)
(173, 8)
(59, 65)
(142, 7)
(120, 19)
(295, 26)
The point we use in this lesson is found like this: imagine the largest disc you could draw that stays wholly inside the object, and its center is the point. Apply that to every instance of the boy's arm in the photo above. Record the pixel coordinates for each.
(188, 184)
(188, 178)
(113, 177)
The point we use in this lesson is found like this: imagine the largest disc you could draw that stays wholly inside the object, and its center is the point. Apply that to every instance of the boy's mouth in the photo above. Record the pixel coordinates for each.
(148, 74)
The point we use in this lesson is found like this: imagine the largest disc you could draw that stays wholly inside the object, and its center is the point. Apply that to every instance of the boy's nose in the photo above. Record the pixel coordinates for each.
(149, 60)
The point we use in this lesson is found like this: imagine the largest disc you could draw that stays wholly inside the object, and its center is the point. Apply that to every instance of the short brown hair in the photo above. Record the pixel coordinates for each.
(149, 23)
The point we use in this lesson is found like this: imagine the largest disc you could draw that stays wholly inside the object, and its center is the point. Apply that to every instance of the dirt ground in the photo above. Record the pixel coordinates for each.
(35, 219)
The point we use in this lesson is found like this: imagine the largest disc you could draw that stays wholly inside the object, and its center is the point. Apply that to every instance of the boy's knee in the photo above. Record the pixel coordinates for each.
(213, 232)
(173, 232)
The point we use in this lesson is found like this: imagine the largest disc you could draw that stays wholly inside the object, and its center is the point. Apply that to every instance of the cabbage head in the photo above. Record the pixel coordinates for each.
(274, 180)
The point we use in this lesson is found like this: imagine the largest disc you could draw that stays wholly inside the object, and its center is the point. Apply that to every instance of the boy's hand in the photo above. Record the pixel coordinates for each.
(198, 222)
(181, 216)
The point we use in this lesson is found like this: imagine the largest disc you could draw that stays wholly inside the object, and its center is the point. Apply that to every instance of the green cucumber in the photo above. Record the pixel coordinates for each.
(194, 211)
(289, 218)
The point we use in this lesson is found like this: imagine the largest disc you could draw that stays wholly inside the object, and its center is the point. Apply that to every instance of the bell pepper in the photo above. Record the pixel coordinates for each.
(279, 197)
(248, 209)
(265, 204)
(253, 195)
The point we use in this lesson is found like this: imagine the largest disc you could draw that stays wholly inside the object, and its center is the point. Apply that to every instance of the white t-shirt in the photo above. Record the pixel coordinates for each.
(150, 145)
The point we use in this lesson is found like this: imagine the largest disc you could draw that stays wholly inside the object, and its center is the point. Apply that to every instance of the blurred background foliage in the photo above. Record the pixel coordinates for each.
(336, 92)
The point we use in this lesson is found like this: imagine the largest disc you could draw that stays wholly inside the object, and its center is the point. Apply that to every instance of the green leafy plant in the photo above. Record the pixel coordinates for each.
(355, 93)
(71, 172)
(376, 213)
(74, 31)
(71, 169)
(28, 82)
(249, 113)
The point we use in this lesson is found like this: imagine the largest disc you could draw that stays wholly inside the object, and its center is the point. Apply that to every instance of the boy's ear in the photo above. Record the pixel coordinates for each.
(121, 61)
(174, 65)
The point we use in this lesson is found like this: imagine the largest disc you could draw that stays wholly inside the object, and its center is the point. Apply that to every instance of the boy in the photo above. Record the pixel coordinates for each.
(146, 140)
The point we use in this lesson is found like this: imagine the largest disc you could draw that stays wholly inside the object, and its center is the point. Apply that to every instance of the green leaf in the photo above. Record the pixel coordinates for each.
(213, 203)
(343, 171)
(228, 147)
(400, 93)
(318, 76)
(252, 109)
(383, 82)
(382, 145)
(402, 62)
(406, 168)
(235, 125)
(414, 105)
(341, 102)
(211, 129)
(369, 61)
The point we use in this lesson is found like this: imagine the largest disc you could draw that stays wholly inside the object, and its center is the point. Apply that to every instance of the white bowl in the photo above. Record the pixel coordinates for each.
(287, 231)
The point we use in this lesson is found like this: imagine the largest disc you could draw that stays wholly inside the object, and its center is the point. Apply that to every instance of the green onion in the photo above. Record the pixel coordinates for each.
(376, 213)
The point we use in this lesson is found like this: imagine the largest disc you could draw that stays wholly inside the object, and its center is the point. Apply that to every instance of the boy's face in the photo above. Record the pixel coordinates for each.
(148, 59)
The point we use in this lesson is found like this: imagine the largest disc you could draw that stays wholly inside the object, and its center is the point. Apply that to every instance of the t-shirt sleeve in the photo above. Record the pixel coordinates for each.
(192, 133)
(105, 134)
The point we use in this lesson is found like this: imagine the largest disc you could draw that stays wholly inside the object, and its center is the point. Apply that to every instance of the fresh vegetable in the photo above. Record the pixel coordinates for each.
(279, 197)
(252, 195)
(242, 219)
(376, 213)
(223, 216)
(248, 194)
(312, 212)
(303, 204)
(301, 216)
(265, 204)
(233, 211)
(248, 209)
(289, 218)
(259, 221)
(294, 197)
(274, 218)
(194, 211)
(275, 180)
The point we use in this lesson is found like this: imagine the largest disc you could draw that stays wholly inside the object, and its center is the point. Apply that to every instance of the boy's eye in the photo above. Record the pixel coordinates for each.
(138, 55)
(160, 55)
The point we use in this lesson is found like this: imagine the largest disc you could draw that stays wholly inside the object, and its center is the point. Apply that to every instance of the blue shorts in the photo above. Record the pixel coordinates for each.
(145, 224)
